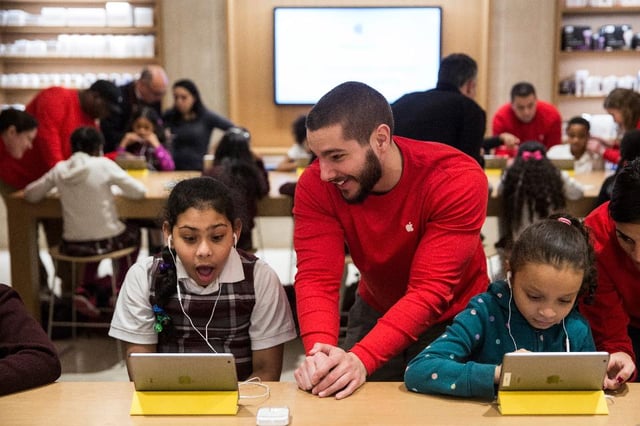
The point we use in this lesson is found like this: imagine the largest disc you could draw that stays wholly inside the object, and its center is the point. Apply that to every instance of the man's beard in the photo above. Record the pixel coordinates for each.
(367, 178)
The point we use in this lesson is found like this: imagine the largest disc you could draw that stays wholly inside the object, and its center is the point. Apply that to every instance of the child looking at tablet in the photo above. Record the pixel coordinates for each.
(534, 310)
(146, 138)
(203, 295)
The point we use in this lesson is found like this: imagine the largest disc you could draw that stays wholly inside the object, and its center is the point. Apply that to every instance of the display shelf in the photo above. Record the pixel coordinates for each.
(77, 60)
(620, 63)
(40, 30)
(123, 60)
(599, 54)
(599, 10)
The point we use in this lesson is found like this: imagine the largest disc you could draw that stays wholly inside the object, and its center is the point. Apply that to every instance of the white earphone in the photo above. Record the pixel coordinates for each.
(169, 242)
(235, 240)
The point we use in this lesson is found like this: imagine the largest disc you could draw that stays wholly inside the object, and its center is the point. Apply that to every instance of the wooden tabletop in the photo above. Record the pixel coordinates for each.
(375, 403)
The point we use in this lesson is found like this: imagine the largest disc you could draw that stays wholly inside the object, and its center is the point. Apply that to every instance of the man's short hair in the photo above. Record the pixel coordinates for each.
(580, 121)
(356, 107)
(522, 90)
(457, 69)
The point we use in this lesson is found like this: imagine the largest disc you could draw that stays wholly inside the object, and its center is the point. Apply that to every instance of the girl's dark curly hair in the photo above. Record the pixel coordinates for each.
(531, 186)
(553, 241)
(200, 193)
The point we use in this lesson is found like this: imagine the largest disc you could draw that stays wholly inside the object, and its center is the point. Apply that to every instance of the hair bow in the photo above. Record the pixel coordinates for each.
(529, 155)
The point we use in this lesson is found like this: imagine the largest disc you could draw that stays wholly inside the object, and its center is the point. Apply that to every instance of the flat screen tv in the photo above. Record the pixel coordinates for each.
(395, 50)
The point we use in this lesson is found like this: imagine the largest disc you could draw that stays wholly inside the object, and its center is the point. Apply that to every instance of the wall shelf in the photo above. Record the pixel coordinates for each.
(12, 63)
(619, 62)
(39, 30)
(598, 10)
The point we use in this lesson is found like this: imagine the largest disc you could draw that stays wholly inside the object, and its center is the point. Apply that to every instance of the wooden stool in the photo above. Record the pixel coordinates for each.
(56, 256)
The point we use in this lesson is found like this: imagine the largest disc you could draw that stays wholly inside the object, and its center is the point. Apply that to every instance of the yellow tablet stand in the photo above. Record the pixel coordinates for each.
(552, 402)
(138, 173)
(188, 403)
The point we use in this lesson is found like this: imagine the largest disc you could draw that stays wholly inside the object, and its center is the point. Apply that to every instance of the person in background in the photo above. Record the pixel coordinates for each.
(624, 107)
(578, 137)
(146, 139)
(534, 310)
(528, 119)
(239, 168)
(58, 112)
(190, 124)
(615, 315)
(629, 151)
(299, 153)
(18, 129)
(400, 207)
(147, 90)
(447, 113)
(202, 294)
(91, 225)
(27, 357)
(531, 188)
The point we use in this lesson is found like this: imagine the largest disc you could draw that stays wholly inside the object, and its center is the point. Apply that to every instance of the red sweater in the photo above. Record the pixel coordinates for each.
(546, 126)
(612, 154)
(417, 249)
(616, 301)
(58, 113)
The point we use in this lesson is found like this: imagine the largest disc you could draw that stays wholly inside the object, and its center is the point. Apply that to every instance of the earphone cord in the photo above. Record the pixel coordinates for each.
(204, 337)
(509, 319)
(206, 327)
(566, 338)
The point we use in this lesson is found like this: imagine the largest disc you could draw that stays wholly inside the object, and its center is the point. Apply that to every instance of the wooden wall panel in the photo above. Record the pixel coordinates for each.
(465, 29)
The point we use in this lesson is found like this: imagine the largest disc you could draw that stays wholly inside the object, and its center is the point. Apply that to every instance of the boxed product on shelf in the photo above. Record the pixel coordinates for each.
(53, 17)
(86, 17)
(601, 3)
(143, 16)
(119, 14)
(576, 3)
(616, 36)
(576, 37)
(15, 18)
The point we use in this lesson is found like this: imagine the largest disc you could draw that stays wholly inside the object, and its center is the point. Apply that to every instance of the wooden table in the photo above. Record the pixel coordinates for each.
(375, 403)
(23, 218)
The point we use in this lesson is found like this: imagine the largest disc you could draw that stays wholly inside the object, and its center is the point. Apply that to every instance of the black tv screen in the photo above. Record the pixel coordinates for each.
(395, 50)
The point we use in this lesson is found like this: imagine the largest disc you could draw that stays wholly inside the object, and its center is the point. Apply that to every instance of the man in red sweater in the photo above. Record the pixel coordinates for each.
(410, 213)
(59, 111)
(528, 119)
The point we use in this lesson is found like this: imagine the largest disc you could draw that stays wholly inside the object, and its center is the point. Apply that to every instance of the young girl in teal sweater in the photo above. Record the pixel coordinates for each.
(551, 264)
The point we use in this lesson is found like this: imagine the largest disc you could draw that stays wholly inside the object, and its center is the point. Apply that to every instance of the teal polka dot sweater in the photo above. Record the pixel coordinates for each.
(462, 360)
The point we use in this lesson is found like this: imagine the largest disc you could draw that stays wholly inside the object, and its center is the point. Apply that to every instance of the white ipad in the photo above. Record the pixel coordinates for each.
(183, 371)
(563, 163)
(553, 371)
(132, 162)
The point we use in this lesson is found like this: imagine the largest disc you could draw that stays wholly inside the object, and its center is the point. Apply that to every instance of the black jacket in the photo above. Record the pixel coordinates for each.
(443, 115)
